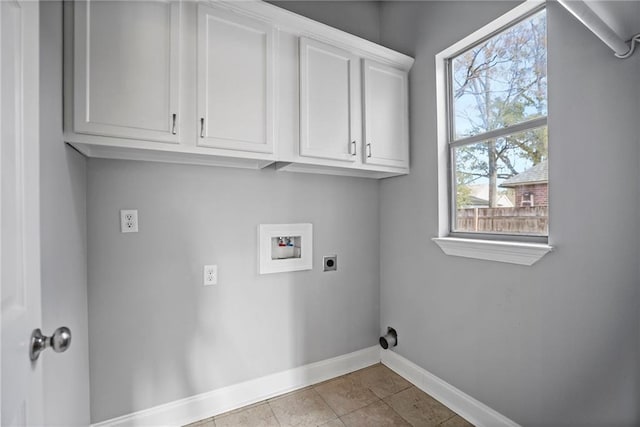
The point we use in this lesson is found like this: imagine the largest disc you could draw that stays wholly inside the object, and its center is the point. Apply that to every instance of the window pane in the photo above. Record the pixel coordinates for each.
(502, 81)
(501, 185)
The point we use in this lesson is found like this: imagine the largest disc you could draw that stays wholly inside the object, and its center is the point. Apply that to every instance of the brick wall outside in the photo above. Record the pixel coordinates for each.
(540, 194)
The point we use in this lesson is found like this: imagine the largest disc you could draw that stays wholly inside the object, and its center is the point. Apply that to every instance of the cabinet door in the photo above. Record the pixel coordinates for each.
(386, 115)
(328, 97)
(126, 65)
(235, 81)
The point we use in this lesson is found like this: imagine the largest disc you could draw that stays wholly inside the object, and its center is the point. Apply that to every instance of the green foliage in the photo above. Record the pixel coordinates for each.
(463, 193)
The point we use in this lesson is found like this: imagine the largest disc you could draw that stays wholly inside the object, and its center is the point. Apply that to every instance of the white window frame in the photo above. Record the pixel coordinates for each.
(509, 249)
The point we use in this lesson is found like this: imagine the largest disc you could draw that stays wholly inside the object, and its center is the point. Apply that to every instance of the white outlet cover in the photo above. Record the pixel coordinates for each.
(129, 221)
(210, 275)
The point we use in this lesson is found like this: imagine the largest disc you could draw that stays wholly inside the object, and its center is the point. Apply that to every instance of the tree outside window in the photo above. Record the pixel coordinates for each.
(497, 131)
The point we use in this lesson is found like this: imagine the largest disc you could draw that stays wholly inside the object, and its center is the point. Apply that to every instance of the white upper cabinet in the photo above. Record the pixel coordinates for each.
(231, 83)
(235, 81)
(126, 69)
(386, 115)
(353, 110)
(329, 94)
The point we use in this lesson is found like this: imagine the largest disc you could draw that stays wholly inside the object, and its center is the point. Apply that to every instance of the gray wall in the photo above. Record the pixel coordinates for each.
(160, 335)
(637, 108)
(552, 344)
(361, 18)
(63, 239)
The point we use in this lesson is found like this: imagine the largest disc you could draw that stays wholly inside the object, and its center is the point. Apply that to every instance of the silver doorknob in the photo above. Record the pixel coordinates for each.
(59, 342)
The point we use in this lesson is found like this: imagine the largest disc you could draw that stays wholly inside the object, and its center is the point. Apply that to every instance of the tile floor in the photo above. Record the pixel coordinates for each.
(371, 397)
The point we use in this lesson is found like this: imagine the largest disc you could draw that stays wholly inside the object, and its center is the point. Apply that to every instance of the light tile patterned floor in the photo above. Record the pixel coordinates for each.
(372, 397)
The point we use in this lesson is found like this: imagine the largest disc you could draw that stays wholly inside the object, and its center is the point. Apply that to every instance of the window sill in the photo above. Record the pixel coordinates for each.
(491, 250)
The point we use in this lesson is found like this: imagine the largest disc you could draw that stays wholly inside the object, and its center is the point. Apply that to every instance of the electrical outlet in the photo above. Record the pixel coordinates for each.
(330, 263)
(129, 221)
(210, 275)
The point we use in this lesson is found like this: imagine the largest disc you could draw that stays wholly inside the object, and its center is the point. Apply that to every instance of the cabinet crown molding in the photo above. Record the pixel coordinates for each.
(301, 26)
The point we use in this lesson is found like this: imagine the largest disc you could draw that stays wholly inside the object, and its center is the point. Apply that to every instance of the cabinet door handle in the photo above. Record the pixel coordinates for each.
(201, 127)
(353, 148)
(369, 150)
(173, 123)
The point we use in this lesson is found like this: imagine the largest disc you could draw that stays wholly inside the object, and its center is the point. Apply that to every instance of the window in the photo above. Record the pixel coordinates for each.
(527, 200)
(492, 131)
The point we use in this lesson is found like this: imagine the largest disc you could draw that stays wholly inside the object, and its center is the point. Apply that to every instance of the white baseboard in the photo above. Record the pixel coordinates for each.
(205, 405)
(477, 413)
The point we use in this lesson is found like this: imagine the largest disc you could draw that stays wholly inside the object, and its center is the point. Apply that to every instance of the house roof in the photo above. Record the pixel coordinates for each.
(537, 174)
(477, 201)
(479, 197)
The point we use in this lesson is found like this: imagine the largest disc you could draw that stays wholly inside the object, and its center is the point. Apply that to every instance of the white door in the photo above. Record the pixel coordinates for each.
(21, 380)
(126, 69)
(235, 81)
(386, 115)
(328, 102)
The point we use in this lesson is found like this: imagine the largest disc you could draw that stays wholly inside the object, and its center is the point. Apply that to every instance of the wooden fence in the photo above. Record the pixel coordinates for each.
(504, 220)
